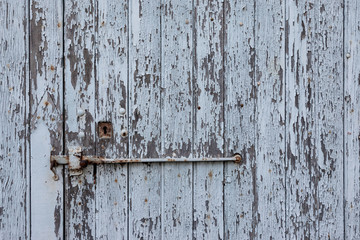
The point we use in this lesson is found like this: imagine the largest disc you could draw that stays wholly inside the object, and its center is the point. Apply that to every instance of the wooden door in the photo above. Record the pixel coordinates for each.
(274, 81)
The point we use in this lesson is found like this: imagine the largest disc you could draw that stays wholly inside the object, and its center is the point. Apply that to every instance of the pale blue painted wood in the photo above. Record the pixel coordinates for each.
(276, 81)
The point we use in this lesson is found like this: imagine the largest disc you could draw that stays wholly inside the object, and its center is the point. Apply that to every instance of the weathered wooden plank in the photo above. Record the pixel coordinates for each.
(111, 92)
(239, 118)
(176, 133)
(46, 125)
(300, 124)
(14, 142)
(352, 120)
(208, 119)
(144, 119)
(80, 114)
(269, 188)
(328, 176)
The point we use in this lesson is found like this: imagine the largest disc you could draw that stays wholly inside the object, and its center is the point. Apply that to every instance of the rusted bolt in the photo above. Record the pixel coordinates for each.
(198, 107)
(238, 158)
(84, 163)
(241, 24)
(187, 21)
(124, 133)
(211, 19)
(122, 111)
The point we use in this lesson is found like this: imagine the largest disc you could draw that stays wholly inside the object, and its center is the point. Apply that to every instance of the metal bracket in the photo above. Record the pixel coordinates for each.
(77, 161)
(75, 155)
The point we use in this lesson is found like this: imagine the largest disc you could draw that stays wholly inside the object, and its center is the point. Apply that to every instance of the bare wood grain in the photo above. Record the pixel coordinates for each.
(177, 118)
(239, 118)
(352, 120)
(269, 189)
(144, 119)
(208, 117)
(46, 124)
(80, 114)
(111, 93)
(14, 142)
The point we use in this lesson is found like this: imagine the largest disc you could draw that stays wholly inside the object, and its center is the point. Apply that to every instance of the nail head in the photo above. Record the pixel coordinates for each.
(122, 111)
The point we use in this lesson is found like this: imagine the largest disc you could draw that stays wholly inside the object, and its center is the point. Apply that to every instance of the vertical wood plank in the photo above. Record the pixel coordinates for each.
(314, 120)
(176, 97)
(46, 126)
(329, 119)
(14, 163)
(80, 114)
(269, 190)
(239, 118)
(111, 92)
(144, 119)
(209, 124)
(300, 124)
(352, 120)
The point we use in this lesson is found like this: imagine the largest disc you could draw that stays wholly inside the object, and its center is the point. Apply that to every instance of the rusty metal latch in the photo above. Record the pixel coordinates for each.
(77, 161)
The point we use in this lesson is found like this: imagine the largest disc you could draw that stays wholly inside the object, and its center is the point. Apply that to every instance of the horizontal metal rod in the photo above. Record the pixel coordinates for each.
(63, 159)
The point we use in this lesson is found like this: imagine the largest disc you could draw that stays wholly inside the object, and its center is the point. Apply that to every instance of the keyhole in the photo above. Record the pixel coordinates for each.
(105, 129)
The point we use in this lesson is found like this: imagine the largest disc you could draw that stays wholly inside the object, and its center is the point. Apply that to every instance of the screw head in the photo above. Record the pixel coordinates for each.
(81, 134)
(348, 55)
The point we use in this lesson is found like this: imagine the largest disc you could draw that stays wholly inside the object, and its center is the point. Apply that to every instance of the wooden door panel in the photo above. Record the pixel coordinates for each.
(144, 119)
(79, 75)
(239, 118)
(177, 118)
(351, 120)
(111, 195)
(46, 118)
(14, 140)
(208, 118)
(269, 168)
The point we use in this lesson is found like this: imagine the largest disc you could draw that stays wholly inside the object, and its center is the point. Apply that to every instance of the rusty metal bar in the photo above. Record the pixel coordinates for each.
(63, 159)
(76, 161)
(99, 160)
